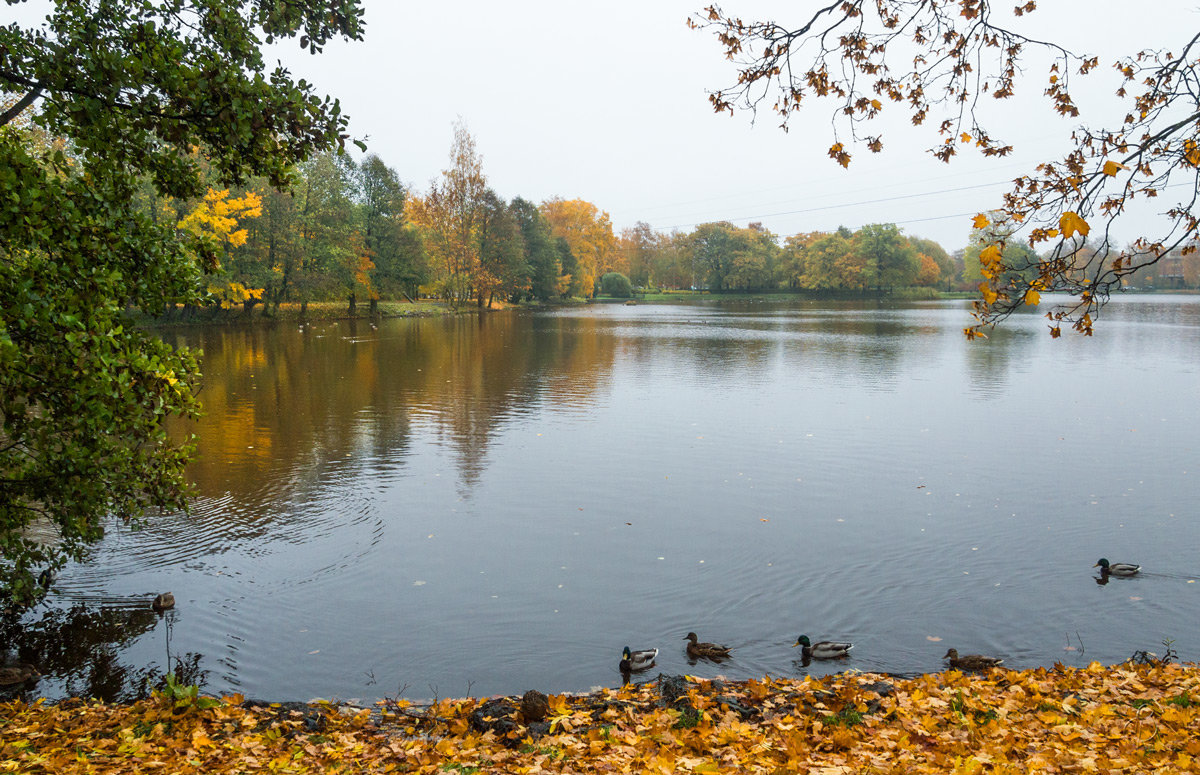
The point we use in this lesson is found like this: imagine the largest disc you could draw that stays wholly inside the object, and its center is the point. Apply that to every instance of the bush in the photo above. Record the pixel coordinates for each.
(616, 284)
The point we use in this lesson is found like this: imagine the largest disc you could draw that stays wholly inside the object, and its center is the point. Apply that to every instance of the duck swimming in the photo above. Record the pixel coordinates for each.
(702, 650)
(1125, 569)
(17, 674)
(971, 661)
(824, 649)
(636, 661)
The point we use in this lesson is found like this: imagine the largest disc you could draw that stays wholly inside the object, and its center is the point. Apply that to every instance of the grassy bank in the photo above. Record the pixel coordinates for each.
(1143, 719)
(291, 313)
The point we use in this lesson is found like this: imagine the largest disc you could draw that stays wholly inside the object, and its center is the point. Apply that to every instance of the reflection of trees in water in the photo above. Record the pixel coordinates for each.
(282, 404)
(990, 362)
(80, 646)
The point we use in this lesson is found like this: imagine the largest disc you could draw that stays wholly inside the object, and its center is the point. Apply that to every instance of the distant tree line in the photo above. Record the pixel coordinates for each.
(354, 231)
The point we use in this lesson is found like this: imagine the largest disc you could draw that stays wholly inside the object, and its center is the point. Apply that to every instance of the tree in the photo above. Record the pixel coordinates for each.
(540, 253)
(501, 253)
(123, 93)
(829, 264)
(860, 54)
(450, 216)
(334, 256)
(588, 231)
(891, 259)
(935, 252)
(398, 264)
(733, 258)
(713, 246)
(217, 218)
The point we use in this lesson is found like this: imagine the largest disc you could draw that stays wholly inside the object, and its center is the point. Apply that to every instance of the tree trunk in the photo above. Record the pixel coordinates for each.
(353, 304)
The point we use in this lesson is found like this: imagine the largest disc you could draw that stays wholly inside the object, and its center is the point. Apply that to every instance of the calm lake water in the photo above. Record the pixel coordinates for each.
(488, 505)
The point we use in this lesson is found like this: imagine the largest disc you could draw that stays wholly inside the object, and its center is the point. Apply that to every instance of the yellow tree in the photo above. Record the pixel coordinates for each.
(929, 272)
(214, 222)
(588, 232)
(451, 217)
(941, 61)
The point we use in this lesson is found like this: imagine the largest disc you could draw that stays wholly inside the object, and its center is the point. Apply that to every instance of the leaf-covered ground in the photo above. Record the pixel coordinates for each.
(1123, 719)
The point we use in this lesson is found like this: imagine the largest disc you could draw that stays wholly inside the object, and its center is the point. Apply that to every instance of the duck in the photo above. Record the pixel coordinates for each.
(698, 650)
(1116, 568)
(636, 661)
(17, 674)
(163, 601)
(824, 649)
(971, 661)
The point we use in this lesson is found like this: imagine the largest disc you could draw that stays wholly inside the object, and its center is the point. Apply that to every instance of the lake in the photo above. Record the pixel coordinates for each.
(484, 505)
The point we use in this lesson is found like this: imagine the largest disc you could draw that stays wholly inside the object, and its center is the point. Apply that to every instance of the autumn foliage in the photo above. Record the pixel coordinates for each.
(1095, 719)
(937, 64)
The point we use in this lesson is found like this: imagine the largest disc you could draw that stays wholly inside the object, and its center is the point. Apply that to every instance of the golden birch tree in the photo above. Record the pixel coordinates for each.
(451, 218)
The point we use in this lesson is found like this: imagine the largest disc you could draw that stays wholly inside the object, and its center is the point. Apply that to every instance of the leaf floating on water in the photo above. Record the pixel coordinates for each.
(1133, 597)
(763, 519)
(932, 638)
(418, 583)
(315, 651)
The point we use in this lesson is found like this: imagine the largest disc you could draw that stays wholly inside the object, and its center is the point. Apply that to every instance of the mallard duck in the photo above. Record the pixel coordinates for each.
(971, 661)
(824, 649)
(17, 674)
(1116, 568)
(636, 661)
(163, 601)
(698, 650)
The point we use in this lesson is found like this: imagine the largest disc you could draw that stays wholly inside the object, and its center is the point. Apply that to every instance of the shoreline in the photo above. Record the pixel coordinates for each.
(1122, 718)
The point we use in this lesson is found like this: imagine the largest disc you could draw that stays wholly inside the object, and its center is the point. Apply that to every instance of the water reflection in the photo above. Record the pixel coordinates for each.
(500, 502)
(78, 652)
(283, 405)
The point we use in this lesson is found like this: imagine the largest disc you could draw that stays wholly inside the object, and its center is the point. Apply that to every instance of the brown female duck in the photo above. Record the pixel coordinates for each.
(971, 661)
(702, 650)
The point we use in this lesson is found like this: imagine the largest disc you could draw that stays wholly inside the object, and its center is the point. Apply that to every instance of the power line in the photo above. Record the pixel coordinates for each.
(854, 204)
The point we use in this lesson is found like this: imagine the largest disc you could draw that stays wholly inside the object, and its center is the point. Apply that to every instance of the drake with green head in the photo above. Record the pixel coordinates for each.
(636, 661)
(1125, 569)
(823, 649)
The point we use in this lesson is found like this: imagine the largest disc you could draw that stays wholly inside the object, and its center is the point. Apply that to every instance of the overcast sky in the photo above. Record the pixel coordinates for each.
(608, 102)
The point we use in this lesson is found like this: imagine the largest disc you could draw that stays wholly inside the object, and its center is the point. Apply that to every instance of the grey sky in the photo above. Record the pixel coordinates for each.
(607, 102)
